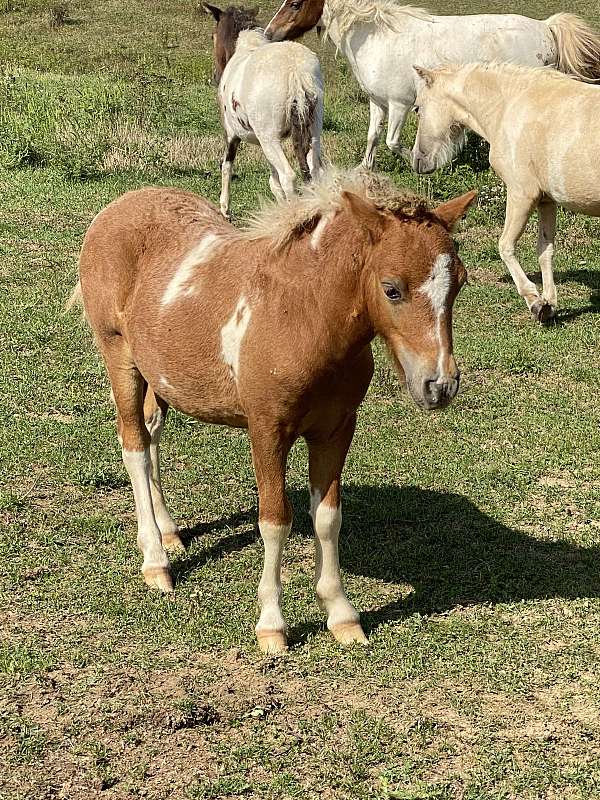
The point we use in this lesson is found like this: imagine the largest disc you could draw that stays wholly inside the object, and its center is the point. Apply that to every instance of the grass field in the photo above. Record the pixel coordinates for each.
(471, 538)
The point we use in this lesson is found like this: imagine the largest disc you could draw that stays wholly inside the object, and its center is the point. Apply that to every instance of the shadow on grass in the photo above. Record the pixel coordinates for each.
(441, 544)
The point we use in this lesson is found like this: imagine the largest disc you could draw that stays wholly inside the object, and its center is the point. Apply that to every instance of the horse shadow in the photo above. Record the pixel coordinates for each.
(439, 543)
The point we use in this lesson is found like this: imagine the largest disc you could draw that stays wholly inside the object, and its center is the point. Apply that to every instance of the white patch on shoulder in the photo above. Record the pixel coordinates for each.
(199, 253)
(437, 286)
(232, 335)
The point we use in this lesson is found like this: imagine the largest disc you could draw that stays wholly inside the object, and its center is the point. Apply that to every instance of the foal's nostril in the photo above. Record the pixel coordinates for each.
(440, 391)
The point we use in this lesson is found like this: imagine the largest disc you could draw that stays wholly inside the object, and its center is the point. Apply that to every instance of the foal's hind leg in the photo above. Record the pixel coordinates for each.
(231, 148)
(155, 413)
(277, 160)
(545, 248)
(326, 460)
(128, 388)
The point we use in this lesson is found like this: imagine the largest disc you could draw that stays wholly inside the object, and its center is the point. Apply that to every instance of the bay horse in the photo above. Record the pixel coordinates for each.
(382, 41)
(542, 130)
(268, 328)
(266, 93)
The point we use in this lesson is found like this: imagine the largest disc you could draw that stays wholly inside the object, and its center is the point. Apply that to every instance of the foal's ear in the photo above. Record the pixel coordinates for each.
(366, 213)
(449, 213)
(214, 10)
(426, 75)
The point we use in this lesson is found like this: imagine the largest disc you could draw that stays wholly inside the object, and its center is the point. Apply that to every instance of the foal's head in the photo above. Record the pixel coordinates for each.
(294, 18)
(439, 136)
(411, 278)
(230, 22)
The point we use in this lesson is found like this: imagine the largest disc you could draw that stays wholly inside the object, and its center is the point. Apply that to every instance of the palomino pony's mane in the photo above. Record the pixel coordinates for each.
(382, 13)
(512, 72)
(284, 222)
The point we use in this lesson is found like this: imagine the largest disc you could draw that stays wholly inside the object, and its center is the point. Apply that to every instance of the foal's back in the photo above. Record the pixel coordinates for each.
(133, 241)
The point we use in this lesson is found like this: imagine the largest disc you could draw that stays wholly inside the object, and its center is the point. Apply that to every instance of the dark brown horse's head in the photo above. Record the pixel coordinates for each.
(230, 21)
(294, 19)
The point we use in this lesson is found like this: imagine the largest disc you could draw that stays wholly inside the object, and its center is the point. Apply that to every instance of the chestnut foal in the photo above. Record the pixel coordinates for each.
(268, 328)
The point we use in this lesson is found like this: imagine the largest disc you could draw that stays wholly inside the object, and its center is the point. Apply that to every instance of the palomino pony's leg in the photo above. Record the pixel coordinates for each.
(545, 249)
(155, 414)
(396, 118)
(326, 461)
(518, 211)
(231, 149)
(128, 388)
(269, 456)
(277, 161)
(376, 119)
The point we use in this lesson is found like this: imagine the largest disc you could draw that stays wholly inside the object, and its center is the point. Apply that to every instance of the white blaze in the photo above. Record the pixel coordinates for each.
(201, 252)
(232, 335)
(437, 288)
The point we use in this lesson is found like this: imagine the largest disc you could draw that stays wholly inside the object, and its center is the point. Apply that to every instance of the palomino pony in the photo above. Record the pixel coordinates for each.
(382, 40)
(542, 128)
(268, 329)
(266, 94)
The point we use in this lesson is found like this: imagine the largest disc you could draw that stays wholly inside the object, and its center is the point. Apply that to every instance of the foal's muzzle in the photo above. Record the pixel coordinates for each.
(439, 392)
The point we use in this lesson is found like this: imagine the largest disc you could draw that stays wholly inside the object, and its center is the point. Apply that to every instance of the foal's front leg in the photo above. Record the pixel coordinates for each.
(269, 455)
(545, 248)
(518, 210)
(326, 460)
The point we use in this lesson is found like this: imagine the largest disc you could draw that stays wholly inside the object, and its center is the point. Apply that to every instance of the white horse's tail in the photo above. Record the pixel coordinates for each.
(578, 46)
(305, 103)
(75, 298)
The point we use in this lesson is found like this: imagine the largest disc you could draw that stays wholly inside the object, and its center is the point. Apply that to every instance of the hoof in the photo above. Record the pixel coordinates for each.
(349, 633)
(172, 543)
(542, 311)
(159, 578)
(272, 642)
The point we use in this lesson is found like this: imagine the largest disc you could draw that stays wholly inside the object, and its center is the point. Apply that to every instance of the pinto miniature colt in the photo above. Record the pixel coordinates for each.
(541, 127)
(268, 328)
(382, 40)
(266, 93)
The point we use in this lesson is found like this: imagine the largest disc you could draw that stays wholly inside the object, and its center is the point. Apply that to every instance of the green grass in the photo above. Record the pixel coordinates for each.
(471, 539)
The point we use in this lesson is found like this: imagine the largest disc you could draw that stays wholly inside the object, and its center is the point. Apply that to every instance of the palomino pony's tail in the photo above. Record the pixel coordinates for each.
(578, 46)
(304, 102)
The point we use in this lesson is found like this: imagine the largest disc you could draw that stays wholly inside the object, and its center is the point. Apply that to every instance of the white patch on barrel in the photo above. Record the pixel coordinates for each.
(232, 335)
(201, 252)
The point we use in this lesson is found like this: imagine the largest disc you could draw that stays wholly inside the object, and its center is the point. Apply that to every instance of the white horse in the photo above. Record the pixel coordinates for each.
(267, 92)
(382, 41)
(542, 128)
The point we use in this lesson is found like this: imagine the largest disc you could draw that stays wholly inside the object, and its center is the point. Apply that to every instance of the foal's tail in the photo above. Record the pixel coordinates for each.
(305, 112)
(578, 46)
(75, 299)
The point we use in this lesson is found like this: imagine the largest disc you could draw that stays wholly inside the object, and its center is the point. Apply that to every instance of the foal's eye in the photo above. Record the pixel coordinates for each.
(297, 4)
(392, 292)
(416, 109)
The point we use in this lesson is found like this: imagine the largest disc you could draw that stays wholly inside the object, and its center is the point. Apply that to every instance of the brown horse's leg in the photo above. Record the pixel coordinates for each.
(128, 388)
(155, 414)
(269, 455)
(326, 461)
